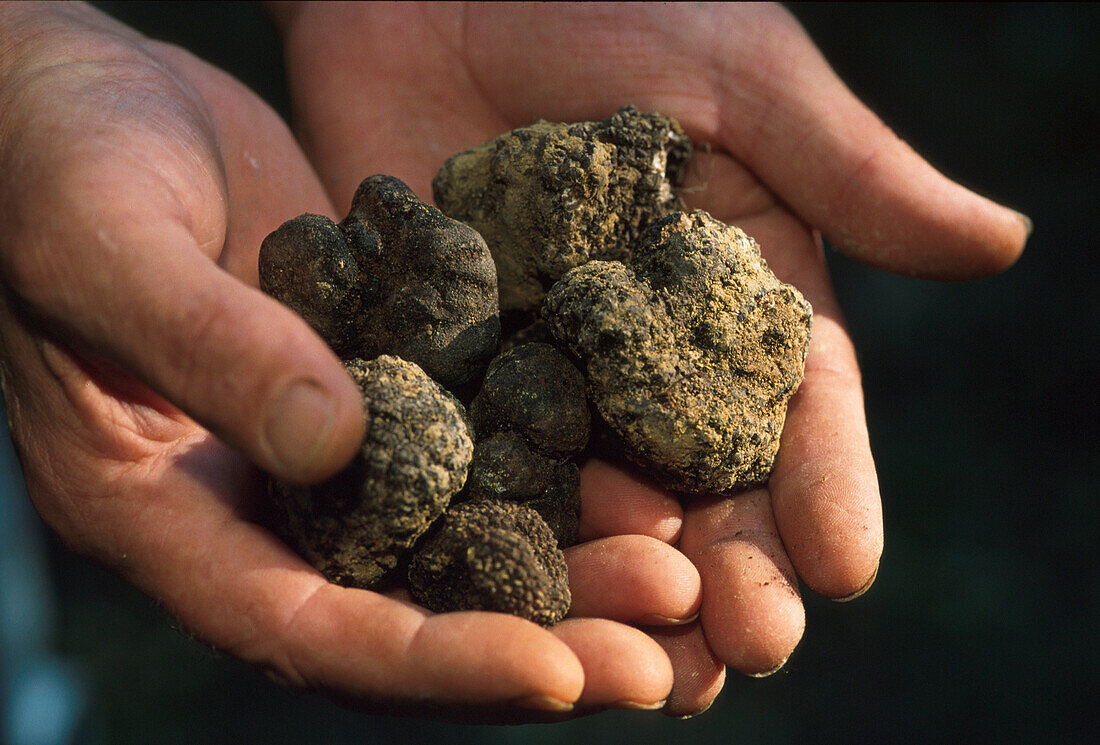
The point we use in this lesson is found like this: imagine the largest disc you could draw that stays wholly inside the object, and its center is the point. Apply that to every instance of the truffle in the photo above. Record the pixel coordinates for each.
(534, 391)
(493, 556)
(504, 468)
(357, 526)
(550, 196)
(395, 277)
(690, 353)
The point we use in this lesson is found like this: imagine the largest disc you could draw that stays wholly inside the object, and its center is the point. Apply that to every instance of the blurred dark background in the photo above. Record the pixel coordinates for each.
(981, 625)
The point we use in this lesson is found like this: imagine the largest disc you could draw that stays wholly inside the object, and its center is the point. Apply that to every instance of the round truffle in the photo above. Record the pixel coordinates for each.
(357, 526)
(493, 556)
(690, 353)
(535, 392)
(550, 196)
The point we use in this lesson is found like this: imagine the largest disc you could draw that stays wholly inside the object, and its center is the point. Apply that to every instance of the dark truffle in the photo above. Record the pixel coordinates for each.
(534, 391)
(691, 352)
(493, 556)
(505, 468)
(549, 197)
(357, 526)
(395, 277)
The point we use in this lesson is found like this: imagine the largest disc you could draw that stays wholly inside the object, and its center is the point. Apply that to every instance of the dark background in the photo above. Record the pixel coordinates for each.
(981, 625)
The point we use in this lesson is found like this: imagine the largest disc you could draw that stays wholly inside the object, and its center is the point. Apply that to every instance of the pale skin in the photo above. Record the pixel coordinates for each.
(147, 378)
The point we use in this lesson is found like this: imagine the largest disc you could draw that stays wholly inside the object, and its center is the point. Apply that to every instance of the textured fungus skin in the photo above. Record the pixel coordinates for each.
(549, 197)
(396, 276)
(690, 353)
(357, 526)
(534, 391)
(492, 556)
(505, 468)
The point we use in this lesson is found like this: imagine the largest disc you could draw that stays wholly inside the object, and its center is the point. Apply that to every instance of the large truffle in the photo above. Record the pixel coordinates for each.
(493, 556)
(690, 353)
(396, 276)
(357, 526)
(549, 197)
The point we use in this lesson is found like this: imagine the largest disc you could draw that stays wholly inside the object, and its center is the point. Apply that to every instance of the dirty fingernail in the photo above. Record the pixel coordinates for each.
(860, 591)
(653, 619)
(543, 703)
(627, 704)
(297, 425)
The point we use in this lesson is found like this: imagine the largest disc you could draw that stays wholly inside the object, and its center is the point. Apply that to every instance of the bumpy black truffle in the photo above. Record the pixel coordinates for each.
(357, 526)
(534, 391)
(550, 196)
(494, 556)
(691, 352)
(505, 468)
(396, 276)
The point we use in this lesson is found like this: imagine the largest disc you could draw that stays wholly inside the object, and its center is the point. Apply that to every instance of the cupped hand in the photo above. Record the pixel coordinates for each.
(146, 377)
(399, 88)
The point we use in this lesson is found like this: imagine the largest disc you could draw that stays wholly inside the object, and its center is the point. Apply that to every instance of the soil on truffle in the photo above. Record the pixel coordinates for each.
(690, 352)
(551, 196)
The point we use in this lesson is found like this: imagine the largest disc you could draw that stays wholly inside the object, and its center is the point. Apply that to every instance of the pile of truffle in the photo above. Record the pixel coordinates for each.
(573, 240)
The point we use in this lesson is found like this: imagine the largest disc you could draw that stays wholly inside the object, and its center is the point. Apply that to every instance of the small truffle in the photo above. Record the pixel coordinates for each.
(690, 353)
(357, 526)
(534, 391)
(396, 277)
(493, 556)
(549, 197)
(504, 468)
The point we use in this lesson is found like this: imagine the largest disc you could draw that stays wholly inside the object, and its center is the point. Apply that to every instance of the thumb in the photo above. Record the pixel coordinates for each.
(844, 172)
(110, 232)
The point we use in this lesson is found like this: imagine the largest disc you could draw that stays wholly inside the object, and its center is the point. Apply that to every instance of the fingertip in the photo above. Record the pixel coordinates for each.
(312, 426)
(624, 667)
(700, 675)
(633, 579)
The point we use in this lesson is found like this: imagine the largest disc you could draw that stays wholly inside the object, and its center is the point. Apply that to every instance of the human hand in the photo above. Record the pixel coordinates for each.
(144, 374)
(398, 89)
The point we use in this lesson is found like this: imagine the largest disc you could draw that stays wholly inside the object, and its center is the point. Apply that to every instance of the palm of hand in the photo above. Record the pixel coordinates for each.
(191, 171)
(444, 78)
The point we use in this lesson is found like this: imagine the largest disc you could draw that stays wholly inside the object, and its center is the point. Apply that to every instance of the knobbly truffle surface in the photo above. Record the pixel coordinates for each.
(395, 277)
(691, 352)
(534, 391)
(357, 526)
(493, 556)
(551, 196)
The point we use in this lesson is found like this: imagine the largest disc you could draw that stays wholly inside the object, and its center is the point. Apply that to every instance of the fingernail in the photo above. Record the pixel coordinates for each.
(653, 619)
(543, 703)
(1029, 226)
(860, 591)
(298, 423)
(772, 671)
(627, 704)
(690, 714)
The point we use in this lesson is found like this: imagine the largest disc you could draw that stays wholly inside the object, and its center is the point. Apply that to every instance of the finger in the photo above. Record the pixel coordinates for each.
(797, 126)
(700, 675)
(237, 587)
(824, 488)
(623, 667)
(616, 500)
(751, 613)
(633, 579)
(128, 273)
